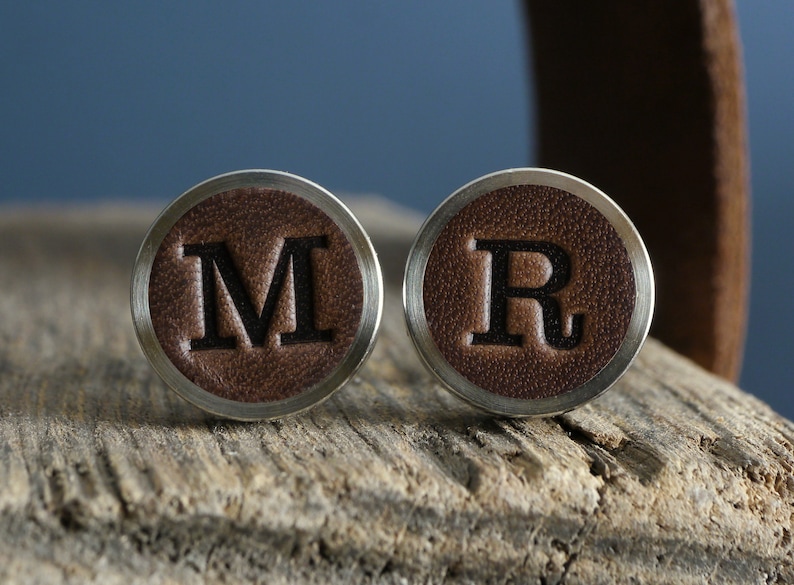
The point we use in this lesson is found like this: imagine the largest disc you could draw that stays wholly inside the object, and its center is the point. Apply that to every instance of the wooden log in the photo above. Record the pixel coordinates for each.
(674, 476)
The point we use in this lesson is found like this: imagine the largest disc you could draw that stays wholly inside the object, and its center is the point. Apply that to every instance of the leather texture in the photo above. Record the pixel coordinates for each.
(254, 223)
(458, 280)
(645, 100)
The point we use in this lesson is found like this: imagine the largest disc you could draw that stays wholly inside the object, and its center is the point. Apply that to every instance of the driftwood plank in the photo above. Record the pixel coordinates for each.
(674, 476)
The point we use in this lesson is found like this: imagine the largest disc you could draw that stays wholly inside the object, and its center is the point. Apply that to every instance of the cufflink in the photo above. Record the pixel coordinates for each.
(528, 292)
(256, 294)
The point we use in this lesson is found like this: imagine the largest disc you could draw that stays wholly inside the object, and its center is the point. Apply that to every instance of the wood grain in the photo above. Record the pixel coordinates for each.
(674, 476)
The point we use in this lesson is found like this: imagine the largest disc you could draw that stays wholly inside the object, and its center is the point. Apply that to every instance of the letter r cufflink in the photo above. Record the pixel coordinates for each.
(528, 292)
(256, 294)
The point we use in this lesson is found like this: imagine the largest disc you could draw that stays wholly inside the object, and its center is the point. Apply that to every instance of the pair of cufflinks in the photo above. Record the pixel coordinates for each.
(256, 294)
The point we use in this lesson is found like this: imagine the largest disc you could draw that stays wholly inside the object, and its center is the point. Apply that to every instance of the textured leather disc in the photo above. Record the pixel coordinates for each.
(528, 292)
(256, 294)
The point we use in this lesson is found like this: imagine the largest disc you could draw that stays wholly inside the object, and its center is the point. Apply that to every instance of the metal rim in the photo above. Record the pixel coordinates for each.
(413, 297)
(367, 261)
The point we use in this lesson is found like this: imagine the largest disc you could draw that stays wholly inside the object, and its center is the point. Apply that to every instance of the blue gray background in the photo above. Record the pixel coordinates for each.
(139, 101)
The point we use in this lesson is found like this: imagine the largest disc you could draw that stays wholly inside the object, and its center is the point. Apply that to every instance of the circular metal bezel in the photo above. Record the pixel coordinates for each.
(413, 294)
(372, 294)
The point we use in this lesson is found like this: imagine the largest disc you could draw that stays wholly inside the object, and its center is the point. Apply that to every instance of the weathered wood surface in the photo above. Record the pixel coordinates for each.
(674, 476)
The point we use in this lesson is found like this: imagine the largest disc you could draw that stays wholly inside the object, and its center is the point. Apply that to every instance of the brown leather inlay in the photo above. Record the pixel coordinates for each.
(457, 291)
(254, 224)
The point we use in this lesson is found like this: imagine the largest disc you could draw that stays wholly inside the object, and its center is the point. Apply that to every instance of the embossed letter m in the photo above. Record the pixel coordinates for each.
(297, 252)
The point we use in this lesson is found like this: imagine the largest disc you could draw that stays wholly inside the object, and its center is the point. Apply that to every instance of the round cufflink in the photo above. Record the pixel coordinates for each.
(256, 294)
(528, 292)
